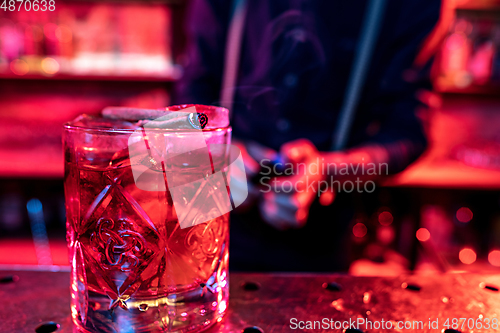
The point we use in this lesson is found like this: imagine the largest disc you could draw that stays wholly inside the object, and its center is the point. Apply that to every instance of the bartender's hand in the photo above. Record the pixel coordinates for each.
(287, 204)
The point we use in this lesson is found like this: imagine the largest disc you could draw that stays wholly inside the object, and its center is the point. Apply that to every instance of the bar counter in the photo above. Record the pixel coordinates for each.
(269, 302)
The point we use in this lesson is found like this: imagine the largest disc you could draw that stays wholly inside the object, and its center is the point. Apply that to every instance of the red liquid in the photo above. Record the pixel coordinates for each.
(134, 268)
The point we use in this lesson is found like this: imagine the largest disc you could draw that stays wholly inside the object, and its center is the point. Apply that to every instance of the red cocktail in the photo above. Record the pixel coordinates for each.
(135, 268)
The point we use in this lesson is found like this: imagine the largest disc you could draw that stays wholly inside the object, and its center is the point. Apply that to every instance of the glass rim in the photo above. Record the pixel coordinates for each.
(68, 126)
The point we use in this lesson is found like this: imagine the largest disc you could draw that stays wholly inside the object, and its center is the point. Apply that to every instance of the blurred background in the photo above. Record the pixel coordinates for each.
(442, 213)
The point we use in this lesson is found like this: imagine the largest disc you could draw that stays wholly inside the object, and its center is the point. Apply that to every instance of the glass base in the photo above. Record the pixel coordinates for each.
(193, 310)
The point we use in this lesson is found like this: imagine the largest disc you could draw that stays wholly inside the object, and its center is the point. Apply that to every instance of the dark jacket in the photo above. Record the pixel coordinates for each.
(296, 57)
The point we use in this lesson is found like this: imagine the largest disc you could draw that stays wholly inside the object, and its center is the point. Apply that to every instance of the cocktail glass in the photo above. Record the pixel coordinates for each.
(134, 266)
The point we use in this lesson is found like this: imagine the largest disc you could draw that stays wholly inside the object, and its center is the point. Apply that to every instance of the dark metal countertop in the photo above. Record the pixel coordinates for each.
(270, 301)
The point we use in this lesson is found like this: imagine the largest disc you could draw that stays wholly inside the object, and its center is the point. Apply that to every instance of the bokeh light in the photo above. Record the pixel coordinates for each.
(464, 214)
(301, 215)
(50, 66)
(386, 234)
(326, 198)
(385, 218)
(19, 67)
(63, 34)
(467, 256)
(359, 230)
(423, 234)
(494, 258)
(49, 30)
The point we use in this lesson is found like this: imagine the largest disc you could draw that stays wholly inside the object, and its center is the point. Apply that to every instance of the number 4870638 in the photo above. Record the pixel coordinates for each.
(28, 5)
(471, 323)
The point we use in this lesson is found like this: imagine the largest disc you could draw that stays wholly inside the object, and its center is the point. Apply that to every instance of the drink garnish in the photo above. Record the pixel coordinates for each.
(158, 118)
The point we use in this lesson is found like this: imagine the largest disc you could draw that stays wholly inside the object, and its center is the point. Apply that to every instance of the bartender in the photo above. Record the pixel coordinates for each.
(290, 72)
